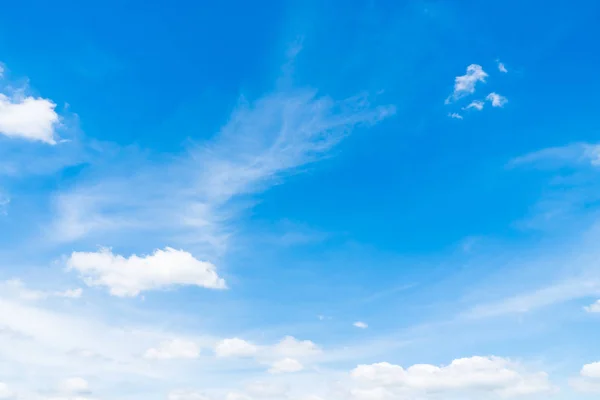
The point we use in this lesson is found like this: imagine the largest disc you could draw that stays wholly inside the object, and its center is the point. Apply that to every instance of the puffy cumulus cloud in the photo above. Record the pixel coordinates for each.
(235, 347)
(75, 385)
(289, 346)
(493, 375)
(593, 308)
(588, 380)
(361, 325)
(465, 84)
(175, 348)
(287, 365)
(27, 117)
(186, 395)
(5, 392)
(127, 277)
(496, 99)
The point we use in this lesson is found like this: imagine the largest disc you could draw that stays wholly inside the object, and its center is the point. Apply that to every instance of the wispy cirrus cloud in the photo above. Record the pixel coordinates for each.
(199, 194)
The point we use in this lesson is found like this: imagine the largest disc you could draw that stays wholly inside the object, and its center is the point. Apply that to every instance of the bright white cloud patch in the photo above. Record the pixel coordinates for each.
(361, 325)
(455, 115)
(28, 118)
(287, 365)
(294, 348)
(235, 347)
(127, 277)
(464, 85)
(476, 104)
(5, 392)
(491, 375)
(593, 308)
(588, 380)
(75, 385)
(496, 99)
(172, 349)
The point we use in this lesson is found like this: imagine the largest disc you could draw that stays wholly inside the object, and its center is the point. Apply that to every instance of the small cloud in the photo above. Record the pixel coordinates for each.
(574, 154)
(173, 349)
(235, 347)
(127, 277)
(287, 365)
(455, 115)
(593, 308)
(292, 347)
(28, 118)
(476, 104)
(360, 325)
(70, 293)
(502, 67)
(496, 99)
(464, 85)
(75, 385)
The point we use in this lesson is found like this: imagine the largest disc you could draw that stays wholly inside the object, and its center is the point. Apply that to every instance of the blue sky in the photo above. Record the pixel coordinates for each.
(299, 200)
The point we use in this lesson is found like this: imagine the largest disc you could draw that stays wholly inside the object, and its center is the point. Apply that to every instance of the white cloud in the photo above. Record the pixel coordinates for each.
(286, 365)
(5, 392)
(15, 288)
(28, 118)
(75, 385)
(187, 395)
(127, 277)
(593, 308)
(502, 67)
(588, 380)
(496, 99)
(266, 389)
(294, 348)
(492, 375)
(360, 325)
(174, 349)
(476, 104)
(455, 115)
(235, 347)
(464, 85)
(262, 143)
(576, 154)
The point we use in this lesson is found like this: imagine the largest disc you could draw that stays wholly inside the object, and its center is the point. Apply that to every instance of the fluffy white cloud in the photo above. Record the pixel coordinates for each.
(5, 392)
(485, 374)
(588, 380)
(361, 325)
(465, 84)
(287, 365)
(176, 348)
(75, 385)
(455, 115)
(294, 348)
(186, 395)
(502, 67)
(127, 277)
(235, 347)
(476, 104)
(591, 370)
(28, 118)
(593, 308)
(496, 99)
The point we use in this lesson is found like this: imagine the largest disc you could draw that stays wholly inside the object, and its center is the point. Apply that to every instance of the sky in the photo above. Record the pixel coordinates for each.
(299, 200)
